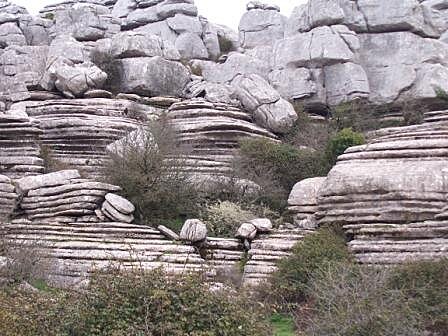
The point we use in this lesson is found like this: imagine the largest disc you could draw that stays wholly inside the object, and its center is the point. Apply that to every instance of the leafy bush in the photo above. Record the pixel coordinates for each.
(148, 165)
(276, 167)
(24, 262)
(340, 142)
(290, 283)
(350, 300)
(155, 304)
(425, 285)
(223, 218)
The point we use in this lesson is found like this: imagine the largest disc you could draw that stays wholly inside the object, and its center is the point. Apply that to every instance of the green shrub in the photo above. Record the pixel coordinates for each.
(350, 300)
(425, 284)
(340, 142)
(148, 165)
(155, 304)
(49, 16)
(289, 284)
(276, 167)
(223, 218)
(225, 45)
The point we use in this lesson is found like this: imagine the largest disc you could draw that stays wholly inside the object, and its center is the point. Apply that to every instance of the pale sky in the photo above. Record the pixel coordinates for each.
(227, 12)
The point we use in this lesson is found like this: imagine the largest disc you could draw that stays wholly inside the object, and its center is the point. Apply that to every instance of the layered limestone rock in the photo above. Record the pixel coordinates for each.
(211, 133)
(76, 132)
(76, 249)
(8, 198)
(61, 197)
(391, 193)
(117, 208)
(266, 250)
(302, 202)
(19, 146)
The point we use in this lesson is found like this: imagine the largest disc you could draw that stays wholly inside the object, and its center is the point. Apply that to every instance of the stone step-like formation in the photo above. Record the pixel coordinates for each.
(77, 249)
(391, 194)
(77, 131)
(8, 197)
(61, 197)
(265, 252)
(117, 208)
(224, 254)
(19, 146)
(211, 132)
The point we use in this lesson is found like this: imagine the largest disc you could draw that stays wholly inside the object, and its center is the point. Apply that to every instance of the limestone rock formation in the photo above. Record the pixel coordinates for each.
(302, 202)
(391, 193)
(8, 198)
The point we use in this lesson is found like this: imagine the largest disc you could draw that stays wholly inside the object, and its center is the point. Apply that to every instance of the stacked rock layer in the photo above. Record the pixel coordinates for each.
(391, 193)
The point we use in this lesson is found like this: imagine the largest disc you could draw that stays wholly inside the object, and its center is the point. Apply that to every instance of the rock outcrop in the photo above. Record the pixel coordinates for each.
(391, 193)
(8, 198)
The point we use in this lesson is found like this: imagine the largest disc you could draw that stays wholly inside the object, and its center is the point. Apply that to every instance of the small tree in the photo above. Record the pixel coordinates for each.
(340, 142)
(149, 166)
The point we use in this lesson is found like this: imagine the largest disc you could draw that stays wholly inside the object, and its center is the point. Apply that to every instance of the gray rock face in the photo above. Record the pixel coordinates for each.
(120, 204)
(193, 231)
(260, 27)
(154, 76)
(302, 202)
(86, 22)
(269, 109)
(247, 231)
(8, 198)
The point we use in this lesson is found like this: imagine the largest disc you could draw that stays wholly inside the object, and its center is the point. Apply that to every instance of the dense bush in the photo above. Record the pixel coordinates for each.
(350, 300)
(276, 167)
(340, 142)
(290, 283)
(156, 304)
(223, 218)
(425, 284)
(148, 165)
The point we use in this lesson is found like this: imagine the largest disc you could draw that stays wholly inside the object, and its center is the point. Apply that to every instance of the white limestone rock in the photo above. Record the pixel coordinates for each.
(154, 76)
(10, 34)
(260, 27)
(191, 46)
(263, 225)
(193, 231)
(293, 83)
(247, 231)
(121, 204)
(47, 180)
(268, 108)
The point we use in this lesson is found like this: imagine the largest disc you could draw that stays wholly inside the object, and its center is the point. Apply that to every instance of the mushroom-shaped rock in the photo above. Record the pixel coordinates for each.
(247, 231)
(262, 224)
(193, 231)
(118, 208)
(120, 203)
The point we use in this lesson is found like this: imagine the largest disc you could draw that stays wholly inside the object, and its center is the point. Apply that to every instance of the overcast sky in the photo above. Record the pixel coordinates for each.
(226, 12)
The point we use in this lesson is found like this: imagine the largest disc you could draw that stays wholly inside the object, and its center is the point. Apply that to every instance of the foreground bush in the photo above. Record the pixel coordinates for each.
(290, 283)
(350, 300)
(425, 284)
(148, 165)
(155, 304)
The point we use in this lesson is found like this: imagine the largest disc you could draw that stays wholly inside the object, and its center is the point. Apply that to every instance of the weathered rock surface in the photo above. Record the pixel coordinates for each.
(268, 108)
(391, 193)
(193, 231)
(8, 198)
(19, 146)
(302, 202)
(211, 133)
(76, 132)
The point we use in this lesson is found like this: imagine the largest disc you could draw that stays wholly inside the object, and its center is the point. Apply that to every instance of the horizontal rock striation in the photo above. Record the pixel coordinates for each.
(77, 131)
(391, 194)
(61, 197)
(266, 250)
(211, 133)
(8, 198)
(77, 249)
(19, 146)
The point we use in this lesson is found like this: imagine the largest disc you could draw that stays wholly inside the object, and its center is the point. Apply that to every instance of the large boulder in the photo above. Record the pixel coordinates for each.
(193, 231)
(268, 108)
(153, 76)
